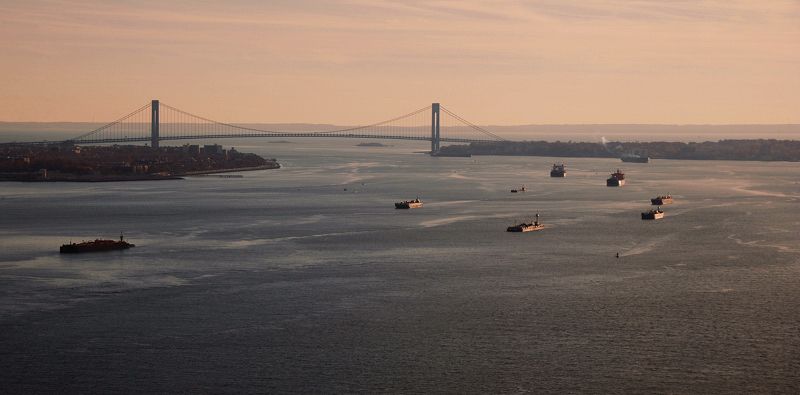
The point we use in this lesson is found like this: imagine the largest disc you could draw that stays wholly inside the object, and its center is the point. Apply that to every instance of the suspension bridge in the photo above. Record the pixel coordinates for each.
(158, 122)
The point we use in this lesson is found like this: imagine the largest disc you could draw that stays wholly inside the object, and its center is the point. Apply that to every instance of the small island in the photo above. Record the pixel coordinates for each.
(68, 162)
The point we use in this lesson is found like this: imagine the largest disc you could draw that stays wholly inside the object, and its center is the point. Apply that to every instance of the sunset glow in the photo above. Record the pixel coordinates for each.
(357, 62)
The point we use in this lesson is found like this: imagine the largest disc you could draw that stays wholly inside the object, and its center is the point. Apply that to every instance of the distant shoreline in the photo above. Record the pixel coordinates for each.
(262, 167)
(59, 131)
(31, 177)
(739, 150)
(70, 163)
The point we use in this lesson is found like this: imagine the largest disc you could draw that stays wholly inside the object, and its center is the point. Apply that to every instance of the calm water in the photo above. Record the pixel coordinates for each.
(307, 280)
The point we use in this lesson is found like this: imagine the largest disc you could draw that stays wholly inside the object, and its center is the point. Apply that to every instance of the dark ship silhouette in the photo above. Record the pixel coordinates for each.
(408, 204)
(558, 171)
(526, 226)
(97, 245)
(617, 179)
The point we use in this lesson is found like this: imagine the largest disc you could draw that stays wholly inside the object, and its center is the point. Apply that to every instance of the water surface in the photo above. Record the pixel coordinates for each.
(307, 280)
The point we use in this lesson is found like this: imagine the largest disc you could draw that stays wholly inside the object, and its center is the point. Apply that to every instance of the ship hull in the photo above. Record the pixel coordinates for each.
(635, 159)
(652, 215)
(660, 201)
(614, 182)
(558, 170)
(518, 228)
(406, 205)
(94, 247)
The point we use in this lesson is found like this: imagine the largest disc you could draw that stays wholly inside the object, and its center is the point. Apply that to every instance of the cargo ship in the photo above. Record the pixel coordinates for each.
(558, 171)
(519, 190)
(667, 199)
(526, 226)
(409, 204)
(653, 214)
(638, 156)
(97, 245)
(617, 179)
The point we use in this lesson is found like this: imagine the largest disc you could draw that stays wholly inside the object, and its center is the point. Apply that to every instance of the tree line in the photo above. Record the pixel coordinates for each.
(754, 150)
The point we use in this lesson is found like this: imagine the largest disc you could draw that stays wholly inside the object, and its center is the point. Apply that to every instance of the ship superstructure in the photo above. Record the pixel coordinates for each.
(617, 179)
(558, 171)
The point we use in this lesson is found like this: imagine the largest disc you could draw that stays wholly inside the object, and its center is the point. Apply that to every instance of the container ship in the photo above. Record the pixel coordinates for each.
(408, 204)
(661, 200)
(97, 245)
(558, 171)
(653, 214)
(617, 179)
(526, 226)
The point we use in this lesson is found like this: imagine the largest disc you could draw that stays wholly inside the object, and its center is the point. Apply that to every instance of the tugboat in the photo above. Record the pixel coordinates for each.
(409, 204)
(519, 190)
(667, 199)
(526, 226)
(617, 179)
(558, 171)
(97, 245)
(653, 214)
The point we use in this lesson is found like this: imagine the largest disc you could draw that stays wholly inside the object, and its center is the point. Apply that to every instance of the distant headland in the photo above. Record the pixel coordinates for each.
(66, 162)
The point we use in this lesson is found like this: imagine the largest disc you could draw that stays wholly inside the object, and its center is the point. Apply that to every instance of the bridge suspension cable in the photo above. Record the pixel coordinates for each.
(448, 112)
(409, 115)
(133, 122)
(158, 121)
(189, 116)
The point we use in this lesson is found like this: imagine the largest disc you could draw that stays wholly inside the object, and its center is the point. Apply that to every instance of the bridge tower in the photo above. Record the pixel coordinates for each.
(154, 125)
(434, 127)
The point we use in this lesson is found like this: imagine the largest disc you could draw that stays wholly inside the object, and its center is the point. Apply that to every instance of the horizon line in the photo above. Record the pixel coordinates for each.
(488, 125)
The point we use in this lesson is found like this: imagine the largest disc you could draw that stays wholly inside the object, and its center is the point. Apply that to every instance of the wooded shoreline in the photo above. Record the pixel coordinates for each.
(746, 150)
(64, 162)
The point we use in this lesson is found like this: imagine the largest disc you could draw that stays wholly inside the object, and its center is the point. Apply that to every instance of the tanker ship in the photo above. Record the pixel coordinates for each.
(638, 156)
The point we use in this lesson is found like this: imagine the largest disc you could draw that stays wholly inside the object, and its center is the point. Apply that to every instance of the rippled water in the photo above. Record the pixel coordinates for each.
(307, 280)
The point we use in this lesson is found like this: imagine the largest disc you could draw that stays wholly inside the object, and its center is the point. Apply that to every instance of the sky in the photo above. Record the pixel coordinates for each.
(358, 62)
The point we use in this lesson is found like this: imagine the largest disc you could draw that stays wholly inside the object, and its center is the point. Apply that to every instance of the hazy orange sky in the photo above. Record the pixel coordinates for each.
(364, 61)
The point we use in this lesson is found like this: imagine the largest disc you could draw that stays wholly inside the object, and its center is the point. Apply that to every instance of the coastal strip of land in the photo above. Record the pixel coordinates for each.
(747, 150)
(67, 162)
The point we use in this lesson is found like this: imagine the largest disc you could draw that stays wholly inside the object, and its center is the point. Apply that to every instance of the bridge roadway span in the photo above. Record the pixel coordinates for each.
(121, 131)
(253, 135)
